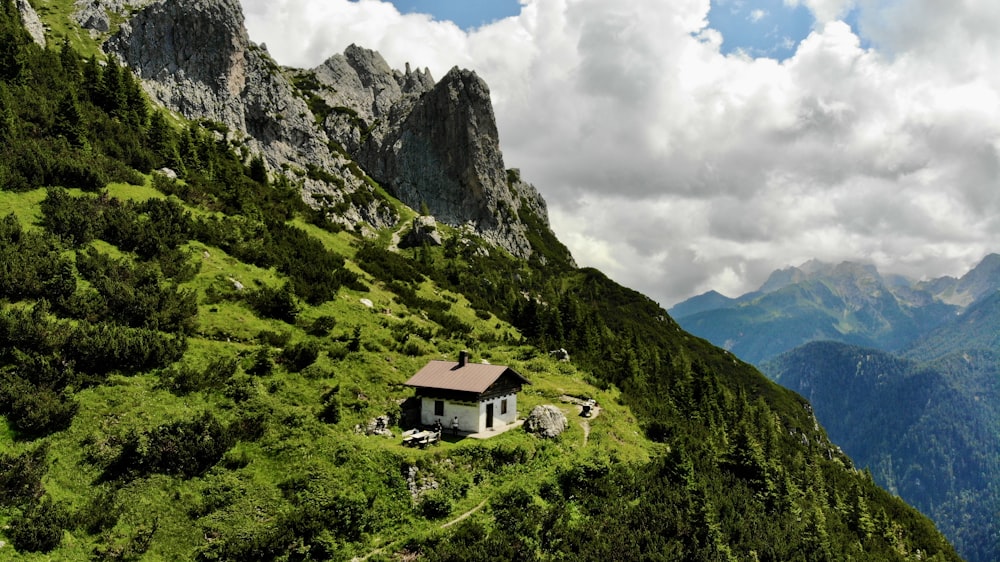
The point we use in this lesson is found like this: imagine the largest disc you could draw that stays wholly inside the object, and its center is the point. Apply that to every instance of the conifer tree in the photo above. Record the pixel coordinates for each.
(68, 122)
(70, 60)
(12, 40)
(6, 115)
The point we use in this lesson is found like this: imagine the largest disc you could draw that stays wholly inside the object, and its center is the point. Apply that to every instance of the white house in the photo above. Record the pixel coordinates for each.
(480, 396)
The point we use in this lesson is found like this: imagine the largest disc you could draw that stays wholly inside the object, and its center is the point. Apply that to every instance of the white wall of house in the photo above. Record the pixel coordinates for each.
(471, 415)
(500, 418)
(467, 412)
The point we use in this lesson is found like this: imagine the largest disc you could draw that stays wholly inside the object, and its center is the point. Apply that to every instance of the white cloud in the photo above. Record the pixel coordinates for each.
(826, 10)
(677, 169)
(757, 15)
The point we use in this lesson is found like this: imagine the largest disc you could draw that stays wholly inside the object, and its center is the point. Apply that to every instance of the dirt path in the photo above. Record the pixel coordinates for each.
(458, 519)
(586, 431)
(464, 515)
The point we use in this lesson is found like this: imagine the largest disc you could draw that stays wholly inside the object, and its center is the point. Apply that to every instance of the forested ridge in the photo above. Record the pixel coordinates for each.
(928, 430)
(186, 371)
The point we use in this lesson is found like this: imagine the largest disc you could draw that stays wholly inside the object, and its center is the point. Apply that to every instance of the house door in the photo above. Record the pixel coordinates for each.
(489, 416)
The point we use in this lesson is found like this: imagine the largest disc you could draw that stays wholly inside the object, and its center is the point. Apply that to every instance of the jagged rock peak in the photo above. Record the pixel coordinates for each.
(427, 143)
(362, 80)
(446, 153)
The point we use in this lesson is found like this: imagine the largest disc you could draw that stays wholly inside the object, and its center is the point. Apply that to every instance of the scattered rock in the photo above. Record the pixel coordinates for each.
(560, 354)
(417, 483)
(376, 426)
(169, 173)
(546, 421)
(91, 14)
(424, 231)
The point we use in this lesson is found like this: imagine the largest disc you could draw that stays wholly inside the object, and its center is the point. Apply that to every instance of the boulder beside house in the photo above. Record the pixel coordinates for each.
(481, 397)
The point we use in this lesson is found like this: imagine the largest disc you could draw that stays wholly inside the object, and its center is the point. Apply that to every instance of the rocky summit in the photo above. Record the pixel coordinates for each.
(428, 143)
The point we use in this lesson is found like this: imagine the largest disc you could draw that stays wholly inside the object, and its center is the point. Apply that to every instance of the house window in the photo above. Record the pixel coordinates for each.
(503, 406)
(439, 407)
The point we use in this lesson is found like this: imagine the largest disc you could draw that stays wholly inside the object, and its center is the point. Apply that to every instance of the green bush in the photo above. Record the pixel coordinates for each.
(300, 355)
(186, 448)
(21, 476)
(39, 527)
(278, 304)
(435, 505)
(321, 326)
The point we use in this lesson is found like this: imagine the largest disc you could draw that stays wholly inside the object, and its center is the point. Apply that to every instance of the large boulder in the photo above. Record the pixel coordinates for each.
(546, 421)
(424, 231)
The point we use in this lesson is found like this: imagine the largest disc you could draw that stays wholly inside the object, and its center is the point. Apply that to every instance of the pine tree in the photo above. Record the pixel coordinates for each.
(7, 123)
(70, 60)
(68, 123)
(13, 39)
(112, 91)
(161, 140)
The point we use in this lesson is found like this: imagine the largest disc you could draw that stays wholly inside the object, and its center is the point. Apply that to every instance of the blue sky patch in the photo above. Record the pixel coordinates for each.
(760, 28)
(467, 14)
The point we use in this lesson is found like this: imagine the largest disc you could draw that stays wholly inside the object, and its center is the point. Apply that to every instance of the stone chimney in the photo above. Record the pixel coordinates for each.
(463, 358)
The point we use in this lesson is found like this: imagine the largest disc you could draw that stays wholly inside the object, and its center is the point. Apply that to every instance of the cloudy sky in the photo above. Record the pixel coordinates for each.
(689, 145)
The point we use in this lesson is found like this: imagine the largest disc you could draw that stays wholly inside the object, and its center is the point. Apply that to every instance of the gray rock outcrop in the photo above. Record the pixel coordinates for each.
(432, 143)
(31, 22)
(195, 57)
(96, 15)
(546, 421)
(423, 231)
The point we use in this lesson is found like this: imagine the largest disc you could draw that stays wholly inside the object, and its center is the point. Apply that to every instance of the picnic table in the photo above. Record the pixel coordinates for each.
(421, 438)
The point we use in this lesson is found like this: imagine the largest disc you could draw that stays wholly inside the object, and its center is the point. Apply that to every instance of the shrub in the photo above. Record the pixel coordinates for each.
(185, 447)
(185, 379)
(321, 326)
(274, 303)
(262, 365)
(435, 505)
(274, 339)
(39, 528)
(300, 355)
(21, 476)
(330, 413)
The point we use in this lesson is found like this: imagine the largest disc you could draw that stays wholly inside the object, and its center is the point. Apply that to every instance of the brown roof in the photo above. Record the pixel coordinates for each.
(448, 375)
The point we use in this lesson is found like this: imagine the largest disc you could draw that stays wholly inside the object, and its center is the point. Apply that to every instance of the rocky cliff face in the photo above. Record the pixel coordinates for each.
(195, 57)
(427, 143)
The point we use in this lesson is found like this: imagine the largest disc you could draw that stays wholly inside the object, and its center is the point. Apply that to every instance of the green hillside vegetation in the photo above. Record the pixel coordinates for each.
(185, 366)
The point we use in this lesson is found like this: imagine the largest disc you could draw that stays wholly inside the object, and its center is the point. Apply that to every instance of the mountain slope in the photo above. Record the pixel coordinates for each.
(929, 433)
(977, 328)
(189, 368)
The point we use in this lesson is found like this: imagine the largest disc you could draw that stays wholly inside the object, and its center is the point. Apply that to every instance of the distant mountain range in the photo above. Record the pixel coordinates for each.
(848, 302)
(904, 375)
